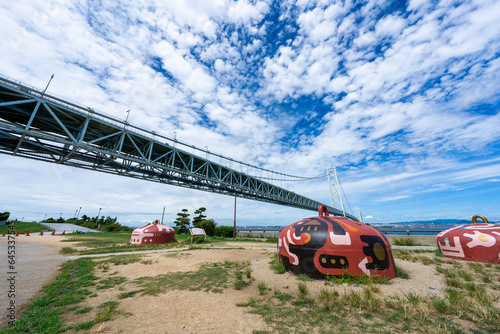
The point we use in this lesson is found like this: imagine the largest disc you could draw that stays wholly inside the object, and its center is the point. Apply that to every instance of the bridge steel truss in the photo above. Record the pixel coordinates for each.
(39, 126)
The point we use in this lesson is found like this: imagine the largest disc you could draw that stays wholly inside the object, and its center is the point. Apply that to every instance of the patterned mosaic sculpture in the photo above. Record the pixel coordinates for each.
(327, 245)
(471, 242)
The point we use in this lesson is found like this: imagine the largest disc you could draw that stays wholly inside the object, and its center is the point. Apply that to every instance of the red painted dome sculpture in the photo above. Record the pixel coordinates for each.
(327, 245)
(152, 233)
(471, 242)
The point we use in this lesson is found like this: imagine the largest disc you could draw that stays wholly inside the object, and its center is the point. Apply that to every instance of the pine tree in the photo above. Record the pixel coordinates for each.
(183, 221)
(198, 219)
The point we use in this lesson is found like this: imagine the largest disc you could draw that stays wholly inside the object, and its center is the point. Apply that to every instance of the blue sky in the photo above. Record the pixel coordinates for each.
(403, 98)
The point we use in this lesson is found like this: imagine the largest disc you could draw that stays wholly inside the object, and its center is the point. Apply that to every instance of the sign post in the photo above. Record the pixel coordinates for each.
(197, 231)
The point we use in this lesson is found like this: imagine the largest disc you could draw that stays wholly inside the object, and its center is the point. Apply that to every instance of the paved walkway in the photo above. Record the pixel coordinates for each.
(35, 266)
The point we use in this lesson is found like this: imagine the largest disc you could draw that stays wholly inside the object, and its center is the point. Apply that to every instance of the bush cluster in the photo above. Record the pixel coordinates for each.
(224, 231)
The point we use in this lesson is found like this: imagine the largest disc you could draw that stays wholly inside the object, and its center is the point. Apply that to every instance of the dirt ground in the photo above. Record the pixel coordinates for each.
(209, 312)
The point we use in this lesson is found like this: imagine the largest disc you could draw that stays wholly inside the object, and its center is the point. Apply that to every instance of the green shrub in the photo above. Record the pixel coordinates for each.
(209, 225)
(224, 231)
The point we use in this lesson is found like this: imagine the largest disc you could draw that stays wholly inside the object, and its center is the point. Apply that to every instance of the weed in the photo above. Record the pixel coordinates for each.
(119, 260)
(147, 261)
(127, 294)
(438, 253)
(106, 311)
(348, 278)
(277, 265)
(110, 282)
(453, 282)
(465, 275)
(440, 305)
(103, 265)
(327, 298)
(252, 302)
(405, 242)
(262, 288)
(83, 310)
(282, 296)
(413, 298)
(248, 272)
(84, 325)
(304, 277)
(486, 278)
(68, 250)
(239, 275)
(303, 291)
(400, 272)
(239, 284)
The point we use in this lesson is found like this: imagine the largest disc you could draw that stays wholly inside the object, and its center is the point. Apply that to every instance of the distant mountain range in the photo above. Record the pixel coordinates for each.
(430, 222)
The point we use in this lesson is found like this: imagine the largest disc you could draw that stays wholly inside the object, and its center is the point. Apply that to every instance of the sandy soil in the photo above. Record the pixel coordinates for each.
(202, 312)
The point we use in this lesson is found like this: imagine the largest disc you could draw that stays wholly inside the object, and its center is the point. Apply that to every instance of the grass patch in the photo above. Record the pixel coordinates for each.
(469, 305)
(277, 266)
(68, 250)
(210, 277)
(83, 310)
(239, 284)
(304, 277)
(127, 294)
(348, 278)
(405, 242)
(400, 272)
(106, 311)
(115, 242)
(43, 315)
(110, 282)
(23, 226)
(120, 260)
(262, 286)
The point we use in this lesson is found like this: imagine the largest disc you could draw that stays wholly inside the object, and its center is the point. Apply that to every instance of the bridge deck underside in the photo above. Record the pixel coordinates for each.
(42, 127)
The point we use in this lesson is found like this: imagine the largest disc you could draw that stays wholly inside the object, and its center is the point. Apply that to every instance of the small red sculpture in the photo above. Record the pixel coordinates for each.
(152, 233)
(325, 245)
(471, 242)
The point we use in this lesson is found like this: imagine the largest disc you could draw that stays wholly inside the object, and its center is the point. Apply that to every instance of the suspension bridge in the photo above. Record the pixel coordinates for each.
(43, 127)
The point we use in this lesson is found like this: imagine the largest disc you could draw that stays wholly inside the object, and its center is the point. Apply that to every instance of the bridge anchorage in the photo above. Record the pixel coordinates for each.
(40, 126)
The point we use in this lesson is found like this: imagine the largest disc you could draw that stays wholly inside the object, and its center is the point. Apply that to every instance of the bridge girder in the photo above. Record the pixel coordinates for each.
(42, 127)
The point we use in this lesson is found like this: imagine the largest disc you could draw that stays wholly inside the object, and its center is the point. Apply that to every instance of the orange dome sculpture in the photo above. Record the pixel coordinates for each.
(327, 245)
(152, 233)
(471, 242)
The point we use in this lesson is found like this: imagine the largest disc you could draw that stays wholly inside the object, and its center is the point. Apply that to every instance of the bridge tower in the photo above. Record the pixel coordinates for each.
(336, 190)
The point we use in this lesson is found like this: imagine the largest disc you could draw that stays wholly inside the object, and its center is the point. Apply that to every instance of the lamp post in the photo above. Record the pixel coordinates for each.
(78, 215)
(52, 77)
